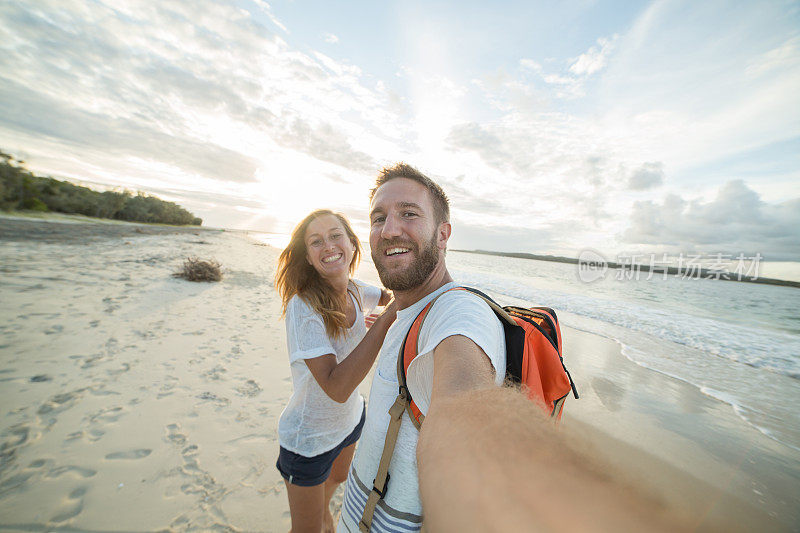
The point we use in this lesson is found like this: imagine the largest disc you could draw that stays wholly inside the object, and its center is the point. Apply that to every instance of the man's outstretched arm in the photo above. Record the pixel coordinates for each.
(489, 460)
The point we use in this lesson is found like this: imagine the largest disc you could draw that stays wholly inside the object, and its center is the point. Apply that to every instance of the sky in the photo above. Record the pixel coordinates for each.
(665, 126)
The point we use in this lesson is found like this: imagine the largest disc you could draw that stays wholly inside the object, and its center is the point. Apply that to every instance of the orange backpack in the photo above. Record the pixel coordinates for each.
(533, 354)
(533, 362)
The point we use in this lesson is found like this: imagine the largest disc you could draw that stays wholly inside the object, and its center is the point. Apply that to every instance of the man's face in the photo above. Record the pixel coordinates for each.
(404, 235)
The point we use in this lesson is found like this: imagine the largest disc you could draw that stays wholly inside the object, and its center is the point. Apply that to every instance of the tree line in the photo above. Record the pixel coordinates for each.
(21, 189)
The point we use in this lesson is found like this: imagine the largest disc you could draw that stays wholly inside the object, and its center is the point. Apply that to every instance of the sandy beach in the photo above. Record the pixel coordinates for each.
(135, 401)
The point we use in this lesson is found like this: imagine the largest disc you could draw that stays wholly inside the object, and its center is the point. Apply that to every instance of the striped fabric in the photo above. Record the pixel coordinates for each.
(385, 518)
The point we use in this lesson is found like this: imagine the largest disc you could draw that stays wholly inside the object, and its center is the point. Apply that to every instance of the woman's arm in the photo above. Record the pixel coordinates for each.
(340, 380)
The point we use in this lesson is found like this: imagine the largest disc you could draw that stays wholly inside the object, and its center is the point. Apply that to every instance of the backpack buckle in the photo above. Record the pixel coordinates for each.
(381, 493)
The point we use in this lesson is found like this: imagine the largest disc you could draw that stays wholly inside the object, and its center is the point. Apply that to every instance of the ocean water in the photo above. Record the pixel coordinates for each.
(736, 342)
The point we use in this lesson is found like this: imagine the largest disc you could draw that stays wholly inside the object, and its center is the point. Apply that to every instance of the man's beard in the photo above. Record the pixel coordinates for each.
(416, 273)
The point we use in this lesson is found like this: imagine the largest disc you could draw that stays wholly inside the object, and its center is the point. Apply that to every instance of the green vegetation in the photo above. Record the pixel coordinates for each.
(21, 189)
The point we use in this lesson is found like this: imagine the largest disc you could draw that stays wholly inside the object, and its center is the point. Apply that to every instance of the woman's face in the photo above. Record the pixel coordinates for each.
(328, 248)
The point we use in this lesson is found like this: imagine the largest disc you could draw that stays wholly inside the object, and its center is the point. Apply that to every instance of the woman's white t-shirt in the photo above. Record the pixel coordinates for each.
(312, 423)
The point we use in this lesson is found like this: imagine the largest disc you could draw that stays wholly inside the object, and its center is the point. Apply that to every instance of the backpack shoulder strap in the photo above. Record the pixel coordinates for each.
(408, 352)
(410, 347)
(402, 404)
(381, 481)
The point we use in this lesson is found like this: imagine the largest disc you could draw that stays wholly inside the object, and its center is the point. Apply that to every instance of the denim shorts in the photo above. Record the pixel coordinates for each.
(311, 471)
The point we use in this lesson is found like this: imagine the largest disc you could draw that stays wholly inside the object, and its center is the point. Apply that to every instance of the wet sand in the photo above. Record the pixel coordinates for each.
(135, 401)
(690, 451)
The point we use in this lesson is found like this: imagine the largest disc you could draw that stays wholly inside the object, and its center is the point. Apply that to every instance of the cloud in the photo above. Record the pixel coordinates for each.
(267, 9)
(595, 59)
(330, 38)
(692, 84)
(210, 97)
(736, 220)
(538, 168)
(648, 176)
(474, 137)
(36, 114)
(202, 90)
(325, 143)
(467, 200)
(782, 57)
(468, 236)
(570, 82)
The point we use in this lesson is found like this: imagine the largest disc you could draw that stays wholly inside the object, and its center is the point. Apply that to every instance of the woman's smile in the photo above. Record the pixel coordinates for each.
(332, 258)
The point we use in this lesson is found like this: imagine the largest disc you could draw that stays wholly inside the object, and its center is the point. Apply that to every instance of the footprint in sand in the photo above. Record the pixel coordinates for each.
(249, 388)
(36, 469)
(15, 483)
(130, 454)
(167, 388)
(70, 469)
(218, 400)
(174, 435)
(60, 402)
(111, 305)
(72, 507)
(124, 368)
(92, 360)
(215, 374)
(107, 415)
(112, 346)
(100, 390)
(275, 488)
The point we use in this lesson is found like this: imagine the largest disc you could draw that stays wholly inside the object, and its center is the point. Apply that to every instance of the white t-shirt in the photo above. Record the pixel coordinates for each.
(312, 423)
(455, 313)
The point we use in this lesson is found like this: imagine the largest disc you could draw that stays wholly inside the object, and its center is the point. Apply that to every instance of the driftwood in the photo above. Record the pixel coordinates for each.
(195, 269)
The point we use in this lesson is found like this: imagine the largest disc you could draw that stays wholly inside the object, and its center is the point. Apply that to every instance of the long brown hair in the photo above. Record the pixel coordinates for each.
(295, 276)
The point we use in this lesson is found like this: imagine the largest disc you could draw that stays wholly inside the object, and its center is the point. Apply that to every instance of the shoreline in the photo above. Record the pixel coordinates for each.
(126, 389)
(701, 273)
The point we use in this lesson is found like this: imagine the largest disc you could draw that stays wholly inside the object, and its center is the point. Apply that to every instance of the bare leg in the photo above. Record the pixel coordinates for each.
(306, 506)
(339, 470)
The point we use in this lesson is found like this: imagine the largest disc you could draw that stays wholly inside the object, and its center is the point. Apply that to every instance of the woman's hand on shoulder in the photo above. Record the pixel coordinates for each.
(386, 297)
(389, 313)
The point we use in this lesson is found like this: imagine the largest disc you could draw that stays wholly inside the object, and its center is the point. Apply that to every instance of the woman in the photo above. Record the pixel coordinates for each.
(330, 352)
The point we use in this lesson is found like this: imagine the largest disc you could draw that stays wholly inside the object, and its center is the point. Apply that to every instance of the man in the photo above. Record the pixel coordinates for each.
(461, 344)
(488, 460)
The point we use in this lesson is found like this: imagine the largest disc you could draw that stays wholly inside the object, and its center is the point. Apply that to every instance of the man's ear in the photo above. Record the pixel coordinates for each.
(443, 235)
